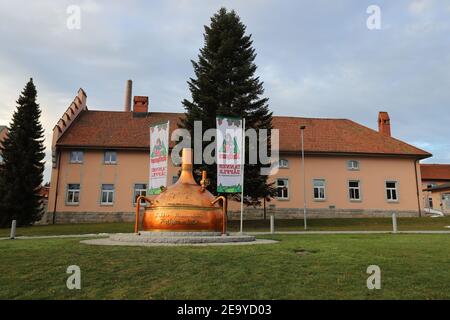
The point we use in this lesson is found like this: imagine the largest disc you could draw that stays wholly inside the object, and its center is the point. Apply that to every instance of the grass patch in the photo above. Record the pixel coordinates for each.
(298, 267)
(340, 224)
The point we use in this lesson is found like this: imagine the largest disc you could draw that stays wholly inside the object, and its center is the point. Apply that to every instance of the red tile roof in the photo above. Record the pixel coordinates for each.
(435, 171)
(109, 129)
(339, 136)
(114, 129)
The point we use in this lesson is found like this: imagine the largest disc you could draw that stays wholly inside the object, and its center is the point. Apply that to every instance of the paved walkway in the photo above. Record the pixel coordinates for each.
(86, 235)
(353, 232)
(91, 235)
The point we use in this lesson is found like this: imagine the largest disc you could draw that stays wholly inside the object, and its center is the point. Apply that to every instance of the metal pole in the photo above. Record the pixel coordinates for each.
(57, 186)
(272, 223)
(13, 230)
(242, 176)
(264, 212)
(302, 128)
(417, 188)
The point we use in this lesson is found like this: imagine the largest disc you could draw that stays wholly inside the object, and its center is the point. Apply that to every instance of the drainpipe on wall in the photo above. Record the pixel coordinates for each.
(417, 186)
(57, 187)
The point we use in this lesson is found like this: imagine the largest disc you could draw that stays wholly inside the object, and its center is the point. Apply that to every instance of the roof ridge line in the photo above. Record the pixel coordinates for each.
(313, 118)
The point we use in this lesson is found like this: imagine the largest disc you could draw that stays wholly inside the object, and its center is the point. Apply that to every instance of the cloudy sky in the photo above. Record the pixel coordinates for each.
(317, 58)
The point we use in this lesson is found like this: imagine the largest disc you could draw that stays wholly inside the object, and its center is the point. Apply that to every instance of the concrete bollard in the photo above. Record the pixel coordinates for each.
(272, 209)
(394, 222)
(12, 235)
(272, 223)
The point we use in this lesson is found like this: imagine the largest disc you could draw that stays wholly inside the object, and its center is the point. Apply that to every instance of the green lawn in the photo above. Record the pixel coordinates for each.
(327, 267)
(425, 223)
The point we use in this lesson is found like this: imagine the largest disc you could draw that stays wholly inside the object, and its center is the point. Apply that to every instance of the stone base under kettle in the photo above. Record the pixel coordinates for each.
(146, 238)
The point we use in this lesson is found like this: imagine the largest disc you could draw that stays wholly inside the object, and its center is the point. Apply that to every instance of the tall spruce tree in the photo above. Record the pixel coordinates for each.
(225, 84)
(22, 171)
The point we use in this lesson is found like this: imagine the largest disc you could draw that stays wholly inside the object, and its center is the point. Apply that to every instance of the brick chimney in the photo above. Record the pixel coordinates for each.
(140, 104)
(384, 123)
(128, 90)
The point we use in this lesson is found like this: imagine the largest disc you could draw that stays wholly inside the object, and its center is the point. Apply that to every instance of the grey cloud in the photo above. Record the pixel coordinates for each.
(316, 58)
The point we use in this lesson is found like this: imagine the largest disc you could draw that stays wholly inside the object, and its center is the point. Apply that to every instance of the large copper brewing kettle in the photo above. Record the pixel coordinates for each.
(184, 206)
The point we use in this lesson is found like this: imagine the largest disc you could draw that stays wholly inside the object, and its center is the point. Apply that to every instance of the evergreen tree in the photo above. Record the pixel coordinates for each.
(22, 171)
(225, 84)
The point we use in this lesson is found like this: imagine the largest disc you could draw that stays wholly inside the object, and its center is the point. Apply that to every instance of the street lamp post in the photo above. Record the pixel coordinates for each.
(302, 129)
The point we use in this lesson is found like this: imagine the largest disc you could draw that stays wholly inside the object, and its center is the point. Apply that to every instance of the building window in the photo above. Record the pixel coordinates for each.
(354, 190)
(353, 165)
(319, 189)
(110, 157)
(140, 189)
(283, 163)
(76, 156)
(73, 194)
(107, 194)
(430, 202)
(391, 191)
(174, 179)
(283, 188)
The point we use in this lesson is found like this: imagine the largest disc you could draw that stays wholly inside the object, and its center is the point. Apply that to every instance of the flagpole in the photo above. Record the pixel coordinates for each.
(302, 129)
(149, 186)
(167, 155)
(242, 175)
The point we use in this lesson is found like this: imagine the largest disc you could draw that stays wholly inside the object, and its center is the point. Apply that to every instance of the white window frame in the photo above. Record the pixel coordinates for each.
(285, 165)
(354, 188)
(388, 190)
(323, 188)
(77, 158)
(139, 192)
(71, 192)
(351, 166)
(109, 161)
(286, 187)
(109, 192)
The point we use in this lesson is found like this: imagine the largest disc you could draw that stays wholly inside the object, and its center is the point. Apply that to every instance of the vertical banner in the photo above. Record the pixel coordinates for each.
(229, 154)
(159, 154)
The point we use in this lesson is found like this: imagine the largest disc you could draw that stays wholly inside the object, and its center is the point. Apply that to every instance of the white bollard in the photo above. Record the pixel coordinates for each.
(12, 235)
(272, 223)
(394, 222)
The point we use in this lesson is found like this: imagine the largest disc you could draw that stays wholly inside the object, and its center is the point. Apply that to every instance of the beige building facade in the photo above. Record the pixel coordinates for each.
(100, 166)
(436, 187)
